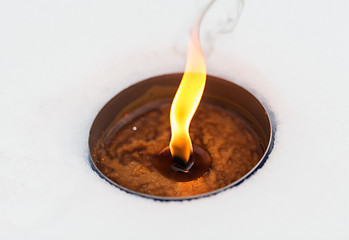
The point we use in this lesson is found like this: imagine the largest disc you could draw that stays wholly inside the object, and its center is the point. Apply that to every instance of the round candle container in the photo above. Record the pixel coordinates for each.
(134, 126)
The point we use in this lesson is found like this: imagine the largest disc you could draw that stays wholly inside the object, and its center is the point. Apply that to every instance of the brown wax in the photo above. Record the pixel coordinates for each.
(127, 150)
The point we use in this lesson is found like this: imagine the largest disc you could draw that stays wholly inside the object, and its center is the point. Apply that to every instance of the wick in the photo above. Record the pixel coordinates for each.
(179, 164)
(180, 170)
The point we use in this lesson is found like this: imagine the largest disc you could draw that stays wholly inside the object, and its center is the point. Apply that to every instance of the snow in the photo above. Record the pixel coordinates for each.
(61, 61)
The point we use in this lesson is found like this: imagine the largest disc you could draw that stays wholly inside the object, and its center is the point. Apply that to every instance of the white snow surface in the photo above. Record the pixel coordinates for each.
(61, 61)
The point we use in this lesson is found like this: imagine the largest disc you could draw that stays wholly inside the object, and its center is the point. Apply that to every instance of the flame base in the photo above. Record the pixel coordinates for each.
(181, 171)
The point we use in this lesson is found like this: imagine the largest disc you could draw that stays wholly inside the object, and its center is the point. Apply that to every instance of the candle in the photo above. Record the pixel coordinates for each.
(148, 147)
(128, 134)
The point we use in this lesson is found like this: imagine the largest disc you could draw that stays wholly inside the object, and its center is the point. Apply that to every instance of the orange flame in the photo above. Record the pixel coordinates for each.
(187, 99)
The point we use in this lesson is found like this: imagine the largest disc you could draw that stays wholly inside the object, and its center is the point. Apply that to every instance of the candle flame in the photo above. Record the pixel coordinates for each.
(187, 99)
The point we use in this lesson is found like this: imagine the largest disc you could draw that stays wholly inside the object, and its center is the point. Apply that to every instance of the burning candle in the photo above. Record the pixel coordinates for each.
(138, 147)
(132, 130)
(128, 134)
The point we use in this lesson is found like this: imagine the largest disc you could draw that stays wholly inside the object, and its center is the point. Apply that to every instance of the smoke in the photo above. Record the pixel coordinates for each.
(222, 15)
(218, 17)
